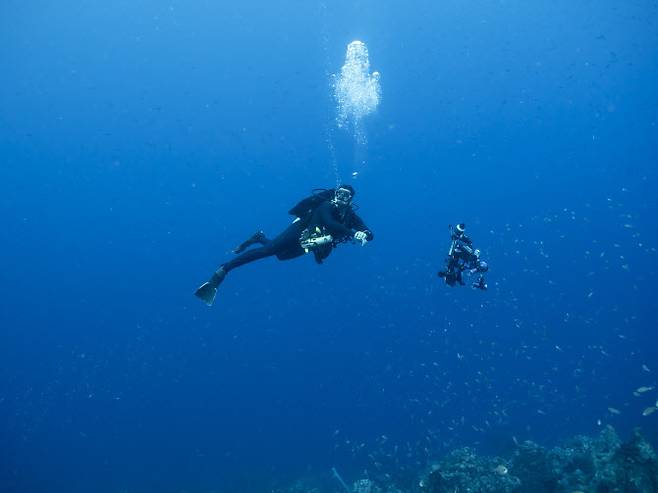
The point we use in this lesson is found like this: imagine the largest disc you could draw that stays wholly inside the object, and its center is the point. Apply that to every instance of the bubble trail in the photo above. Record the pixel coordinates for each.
(356, 90)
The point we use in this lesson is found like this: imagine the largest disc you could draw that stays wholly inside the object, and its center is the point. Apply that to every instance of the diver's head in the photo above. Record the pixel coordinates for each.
(343, 195)
(482, 266)
(460, 228)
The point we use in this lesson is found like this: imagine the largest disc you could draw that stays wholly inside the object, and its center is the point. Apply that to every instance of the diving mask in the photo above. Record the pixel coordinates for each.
(342, 196)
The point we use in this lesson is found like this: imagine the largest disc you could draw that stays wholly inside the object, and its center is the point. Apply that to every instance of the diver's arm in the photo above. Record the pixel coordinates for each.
(358, 224)
(337, 230)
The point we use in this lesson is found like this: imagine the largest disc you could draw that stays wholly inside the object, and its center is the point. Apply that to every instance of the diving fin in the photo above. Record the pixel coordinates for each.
(207, 293)
(208, 290)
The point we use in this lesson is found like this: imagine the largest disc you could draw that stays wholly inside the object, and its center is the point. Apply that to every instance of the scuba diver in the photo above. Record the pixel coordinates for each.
(462, 256)
(324, 220)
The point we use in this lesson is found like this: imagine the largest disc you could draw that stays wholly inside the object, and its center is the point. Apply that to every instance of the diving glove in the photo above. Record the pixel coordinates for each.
(361, 237)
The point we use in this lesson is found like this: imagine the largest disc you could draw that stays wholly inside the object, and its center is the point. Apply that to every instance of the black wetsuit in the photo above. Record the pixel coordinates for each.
(326, 216)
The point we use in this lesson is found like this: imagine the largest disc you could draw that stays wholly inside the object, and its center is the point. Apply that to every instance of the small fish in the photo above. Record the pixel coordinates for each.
(648, 411)
(642, 390)
(614, 411)
(501, 470)
(645, 368)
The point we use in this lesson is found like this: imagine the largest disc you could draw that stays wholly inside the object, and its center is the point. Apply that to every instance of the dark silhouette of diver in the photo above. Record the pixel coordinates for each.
(462, 256)
(324, 220)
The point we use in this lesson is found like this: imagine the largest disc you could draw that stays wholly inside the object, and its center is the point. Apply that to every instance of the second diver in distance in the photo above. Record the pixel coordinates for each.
(463, 257)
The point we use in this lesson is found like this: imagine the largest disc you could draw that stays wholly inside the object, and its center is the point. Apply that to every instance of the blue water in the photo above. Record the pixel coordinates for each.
(141, 141)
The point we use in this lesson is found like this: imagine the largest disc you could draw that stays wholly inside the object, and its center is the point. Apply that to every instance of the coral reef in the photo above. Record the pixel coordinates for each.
(463, 470)
(603, 464)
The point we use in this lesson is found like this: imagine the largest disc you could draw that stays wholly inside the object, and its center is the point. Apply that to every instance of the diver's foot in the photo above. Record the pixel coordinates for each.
(208, 290)
(257, 237)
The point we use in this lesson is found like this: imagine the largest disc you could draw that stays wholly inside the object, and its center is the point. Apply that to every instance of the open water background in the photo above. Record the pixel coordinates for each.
(141, 141)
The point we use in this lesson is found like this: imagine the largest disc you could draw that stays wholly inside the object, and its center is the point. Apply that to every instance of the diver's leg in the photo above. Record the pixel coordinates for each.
(282, 243)
(257, 237)
(285, 242)
(286, 245)
(249, 256)
(208, 290)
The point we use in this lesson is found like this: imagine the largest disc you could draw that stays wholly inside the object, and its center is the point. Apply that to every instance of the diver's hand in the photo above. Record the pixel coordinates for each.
(361, 237)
